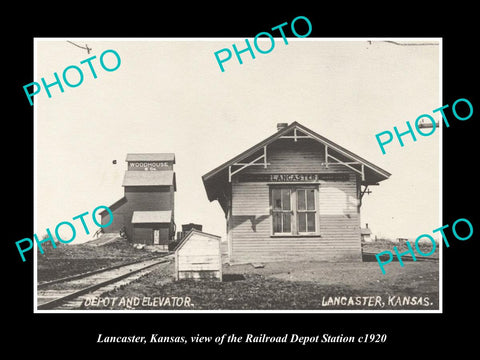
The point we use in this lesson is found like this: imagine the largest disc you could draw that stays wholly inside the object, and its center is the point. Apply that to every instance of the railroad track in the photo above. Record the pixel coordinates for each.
(404, 257)
(69, 293)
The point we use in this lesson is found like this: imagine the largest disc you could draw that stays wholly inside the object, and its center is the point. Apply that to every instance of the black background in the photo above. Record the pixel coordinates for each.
(66, 335)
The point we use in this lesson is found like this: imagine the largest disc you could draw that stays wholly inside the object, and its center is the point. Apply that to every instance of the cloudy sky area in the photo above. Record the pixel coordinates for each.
(170, 96)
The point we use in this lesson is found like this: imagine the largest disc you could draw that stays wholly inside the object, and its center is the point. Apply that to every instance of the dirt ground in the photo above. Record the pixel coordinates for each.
(306, 285)
(288, 286)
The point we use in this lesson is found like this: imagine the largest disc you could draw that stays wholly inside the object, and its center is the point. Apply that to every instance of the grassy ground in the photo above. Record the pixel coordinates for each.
(382, 245)
(67, 260)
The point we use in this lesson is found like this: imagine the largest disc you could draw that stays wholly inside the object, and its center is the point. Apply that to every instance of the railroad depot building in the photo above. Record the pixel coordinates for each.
(146, 211)
(295, 195)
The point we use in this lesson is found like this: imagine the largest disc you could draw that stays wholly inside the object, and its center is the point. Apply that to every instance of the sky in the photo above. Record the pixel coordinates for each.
(169, 95)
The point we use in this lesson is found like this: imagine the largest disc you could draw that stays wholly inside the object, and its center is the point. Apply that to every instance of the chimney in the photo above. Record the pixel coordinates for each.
(281, 126)
(366, 225)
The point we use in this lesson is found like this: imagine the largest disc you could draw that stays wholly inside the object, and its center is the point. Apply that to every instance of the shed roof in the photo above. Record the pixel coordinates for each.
(151, 157)
(189, 235)
(149, 178)
(144, 217)
(114, 206)
(365, 231)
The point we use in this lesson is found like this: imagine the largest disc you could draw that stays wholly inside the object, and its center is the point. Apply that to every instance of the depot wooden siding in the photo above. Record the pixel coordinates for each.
(250, 223)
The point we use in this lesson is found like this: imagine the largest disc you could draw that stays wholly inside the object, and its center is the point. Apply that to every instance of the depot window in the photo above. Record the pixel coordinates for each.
(294, 210)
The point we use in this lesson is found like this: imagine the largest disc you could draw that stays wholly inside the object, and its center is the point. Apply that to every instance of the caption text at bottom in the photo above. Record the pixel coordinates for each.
(248, 338)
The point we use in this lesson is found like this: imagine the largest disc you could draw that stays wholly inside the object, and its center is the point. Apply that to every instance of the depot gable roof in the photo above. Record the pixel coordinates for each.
(213, 179)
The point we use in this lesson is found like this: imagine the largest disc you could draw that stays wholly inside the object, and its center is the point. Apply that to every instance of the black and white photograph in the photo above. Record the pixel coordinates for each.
(246, 189)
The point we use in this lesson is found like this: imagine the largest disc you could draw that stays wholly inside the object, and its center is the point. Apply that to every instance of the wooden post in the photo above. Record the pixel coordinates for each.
(326, 156)
(176, 266)
(265, 157)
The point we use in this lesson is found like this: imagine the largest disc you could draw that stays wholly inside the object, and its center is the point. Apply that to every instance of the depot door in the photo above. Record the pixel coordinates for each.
(156, 237)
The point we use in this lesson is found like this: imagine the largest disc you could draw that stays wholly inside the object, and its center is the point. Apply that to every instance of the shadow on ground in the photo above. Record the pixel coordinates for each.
(232, 277)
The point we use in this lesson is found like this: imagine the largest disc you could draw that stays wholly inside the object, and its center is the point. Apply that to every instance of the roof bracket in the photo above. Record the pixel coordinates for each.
(254, 162)
(347, 164)
(365, 191)
(296, 136)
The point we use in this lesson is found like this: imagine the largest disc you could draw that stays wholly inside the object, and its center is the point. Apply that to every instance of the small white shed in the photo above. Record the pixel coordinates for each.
(198, 256)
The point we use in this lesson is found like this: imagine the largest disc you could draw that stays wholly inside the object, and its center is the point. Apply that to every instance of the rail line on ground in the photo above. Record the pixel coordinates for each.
(66, 293)
(405, 257)
(82, 275)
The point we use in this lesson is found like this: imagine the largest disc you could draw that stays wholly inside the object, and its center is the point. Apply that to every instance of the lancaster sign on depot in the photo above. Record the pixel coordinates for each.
(292, 177)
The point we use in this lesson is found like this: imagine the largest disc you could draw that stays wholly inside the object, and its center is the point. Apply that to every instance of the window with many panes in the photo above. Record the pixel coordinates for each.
(294, 210)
